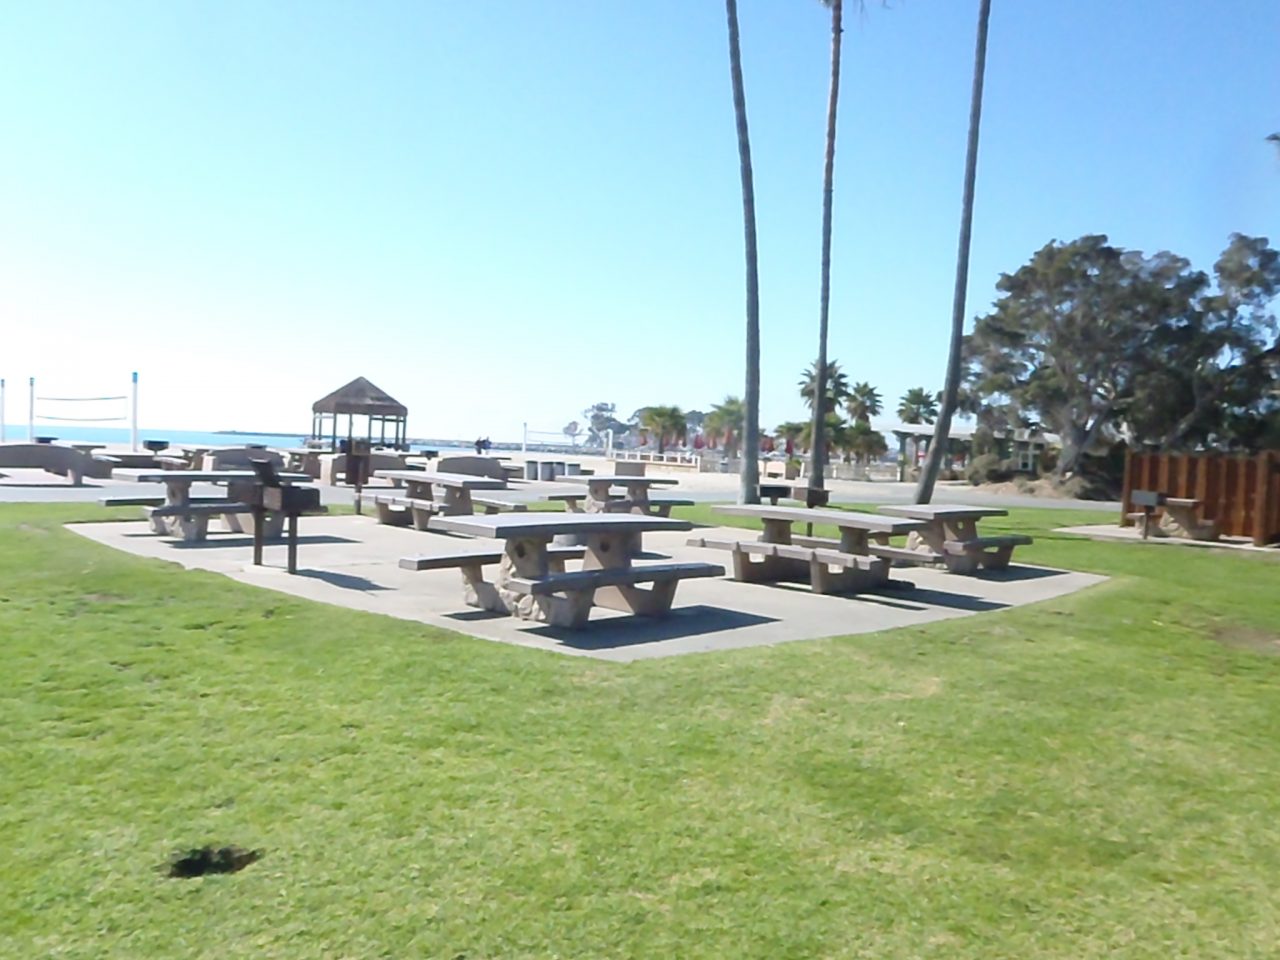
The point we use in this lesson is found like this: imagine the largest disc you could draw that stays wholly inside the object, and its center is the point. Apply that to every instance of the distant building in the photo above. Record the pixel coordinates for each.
(1021, 448)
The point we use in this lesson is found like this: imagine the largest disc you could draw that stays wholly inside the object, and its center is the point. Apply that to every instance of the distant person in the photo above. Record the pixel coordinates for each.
(479, 446)
(487, 445)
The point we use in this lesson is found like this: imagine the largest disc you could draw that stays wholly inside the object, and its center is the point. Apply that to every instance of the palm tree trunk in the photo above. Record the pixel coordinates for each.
(951, 389)
(749, 488)
(817, 456)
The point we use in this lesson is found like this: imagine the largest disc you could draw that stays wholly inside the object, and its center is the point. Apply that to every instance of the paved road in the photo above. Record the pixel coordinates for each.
(22, 486)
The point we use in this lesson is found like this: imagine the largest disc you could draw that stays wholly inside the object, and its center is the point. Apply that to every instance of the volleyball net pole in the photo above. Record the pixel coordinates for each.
(133, 422)
(31, 410)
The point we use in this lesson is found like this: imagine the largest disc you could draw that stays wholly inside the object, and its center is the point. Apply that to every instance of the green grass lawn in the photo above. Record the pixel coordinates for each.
(1097, 776)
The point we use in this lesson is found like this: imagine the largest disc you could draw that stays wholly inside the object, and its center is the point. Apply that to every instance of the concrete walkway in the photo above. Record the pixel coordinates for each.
(1112, 531)
(352, 562)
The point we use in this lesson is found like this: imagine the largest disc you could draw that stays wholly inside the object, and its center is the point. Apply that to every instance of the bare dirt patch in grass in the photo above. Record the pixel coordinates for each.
(1253, 639)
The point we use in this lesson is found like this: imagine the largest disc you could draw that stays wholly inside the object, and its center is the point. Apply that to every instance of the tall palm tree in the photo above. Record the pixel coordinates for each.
(834, 380)
(724, 423)
(749, 479)
(824, 298)
(951, 389)
(790, 432)
(918, 405)
(665, 423)
(833, 435)
(866, 443)
(863, 402)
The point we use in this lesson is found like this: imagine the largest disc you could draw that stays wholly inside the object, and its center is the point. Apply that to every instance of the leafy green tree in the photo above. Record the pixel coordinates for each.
(834, 381)
(664, 423)
(601, 418)
(951, 387)
(1091, 340)
(918, 405)
(1209, 373)
(1065, 339)
(749, 480)
(863, 402)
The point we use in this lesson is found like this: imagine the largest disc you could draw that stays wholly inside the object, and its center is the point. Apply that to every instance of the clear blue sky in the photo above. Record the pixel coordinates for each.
(503, 211)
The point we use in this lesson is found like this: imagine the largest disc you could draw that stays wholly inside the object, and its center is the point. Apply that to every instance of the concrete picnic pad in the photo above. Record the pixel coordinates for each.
(353, 562)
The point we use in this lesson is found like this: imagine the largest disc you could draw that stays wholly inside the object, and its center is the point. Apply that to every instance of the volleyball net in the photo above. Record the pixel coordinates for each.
(62, 410)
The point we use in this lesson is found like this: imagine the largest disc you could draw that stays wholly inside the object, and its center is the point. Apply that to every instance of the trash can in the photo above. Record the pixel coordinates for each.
(531, 469)
(558, 469)
(546, 470)
(572, 469)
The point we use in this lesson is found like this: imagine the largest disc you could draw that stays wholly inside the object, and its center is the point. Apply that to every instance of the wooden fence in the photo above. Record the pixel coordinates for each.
(1241, 492)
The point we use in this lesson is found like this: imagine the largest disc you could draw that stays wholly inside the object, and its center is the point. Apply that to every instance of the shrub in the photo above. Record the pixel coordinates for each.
(988, 468)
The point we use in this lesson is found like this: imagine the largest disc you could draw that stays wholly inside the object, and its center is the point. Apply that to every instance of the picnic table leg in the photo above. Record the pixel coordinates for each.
(393, 518)
(527, 557)
(457, 502)
(606, 551)
(175, 495)
(479, 592)
(420, 517)
(998, 559)
(961, 529)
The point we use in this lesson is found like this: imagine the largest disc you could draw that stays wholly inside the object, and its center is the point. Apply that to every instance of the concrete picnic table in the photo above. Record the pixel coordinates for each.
(848, 564)
(950, 535)
(1182, 519)
(528, 584)
(600, 498)
(457, 487)
(193, 524)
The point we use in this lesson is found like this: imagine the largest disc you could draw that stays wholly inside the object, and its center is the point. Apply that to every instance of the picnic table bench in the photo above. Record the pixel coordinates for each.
(400, 511)
(849, 564)
(531, 582)
(457, 493)
(600, 498)
(187, 517)
(1181, 517)
(950, 536)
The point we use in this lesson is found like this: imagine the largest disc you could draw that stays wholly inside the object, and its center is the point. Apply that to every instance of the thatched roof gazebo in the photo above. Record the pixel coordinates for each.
(360, 398)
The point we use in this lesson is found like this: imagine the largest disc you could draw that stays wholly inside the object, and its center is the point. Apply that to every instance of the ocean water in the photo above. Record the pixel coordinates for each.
(120, 436)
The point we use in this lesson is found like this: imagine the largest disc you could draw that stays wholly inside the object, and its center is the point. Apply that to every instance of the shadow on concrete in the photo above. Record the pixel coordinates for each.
(1013, 574)
(629, 631)
(472, 616)
(920, 598)
(347, 581)
(218, 540)
(51, 485)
